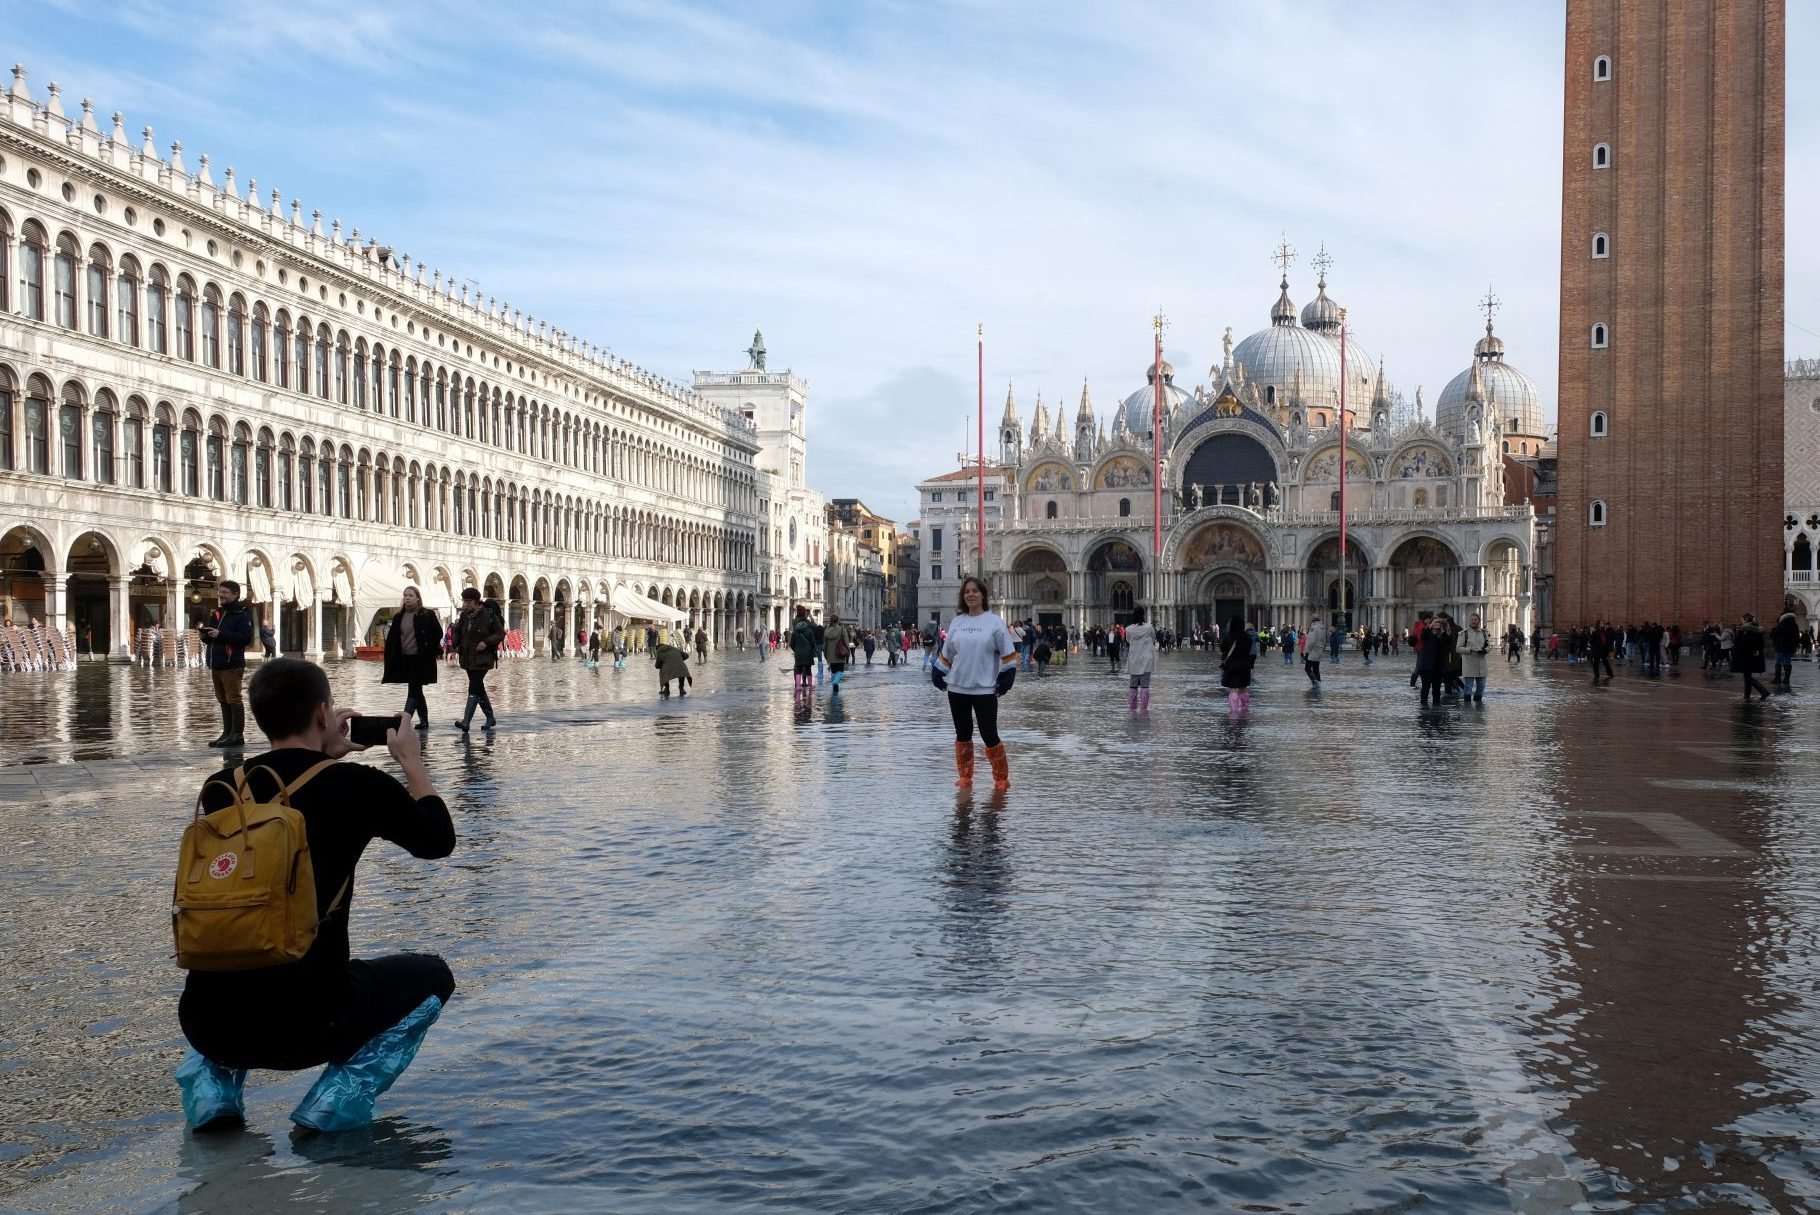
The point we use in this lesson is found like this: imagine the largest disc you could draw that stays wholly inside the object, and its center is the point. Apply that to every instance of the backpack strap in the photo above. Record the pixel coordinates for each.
(289, 791)
(335, 905)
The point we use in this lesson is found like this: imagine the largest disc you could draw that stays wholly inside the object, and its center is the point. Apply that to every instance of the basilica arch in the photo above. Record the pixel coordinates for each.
(1221, 573)
(1226, 464)
(1340, 606)
(1424, 576)
(1114, 580)
(1038, 587)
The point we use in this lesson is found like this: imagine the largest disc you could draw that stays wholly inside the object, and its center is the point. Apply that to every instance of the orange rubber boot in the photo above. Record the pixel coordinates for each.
(1001, 767)
(963, 764)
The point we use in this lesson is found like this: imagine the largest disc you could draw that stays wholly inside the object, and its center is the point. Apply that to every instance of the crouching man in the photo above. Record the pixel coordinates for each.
(364, 1019)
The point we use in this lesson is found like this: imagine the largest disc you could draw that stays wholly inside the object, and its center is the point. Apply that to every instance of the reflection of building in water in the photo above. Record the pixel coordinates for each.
(1250, 473)
(1666, 1047)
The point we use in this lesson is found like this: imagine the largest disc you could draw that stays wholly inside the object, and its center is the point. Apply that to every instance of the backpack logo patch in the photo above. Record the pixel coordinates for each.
(224, 865)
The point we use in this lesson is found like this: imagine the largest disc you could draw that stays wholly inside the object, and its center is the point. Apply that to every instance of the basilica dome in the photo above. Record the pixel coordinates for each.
(1513, 395)
(1272, 357)
(1139, 409)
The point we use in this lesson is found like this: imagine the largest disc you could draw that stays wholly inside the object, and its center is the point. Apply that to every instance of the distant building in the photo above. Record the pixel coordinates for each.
(875, 532)
(1250, 494)
(1801, 488)
(792, 521)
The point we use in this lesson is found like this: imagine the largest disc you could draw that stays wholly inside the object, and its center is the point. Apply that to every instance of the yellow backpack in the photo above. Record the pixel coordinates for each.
(246, 891)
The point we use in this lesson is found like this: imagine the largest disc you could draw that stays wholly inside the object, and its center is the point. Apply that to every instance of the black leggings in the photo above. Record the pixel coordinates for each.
(290, 1035)
(414, 701)
(968, 709)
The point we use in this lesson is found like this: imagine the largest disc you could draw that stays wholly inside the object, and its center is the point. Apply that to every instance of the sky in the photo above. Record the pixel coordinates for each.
(870, 181)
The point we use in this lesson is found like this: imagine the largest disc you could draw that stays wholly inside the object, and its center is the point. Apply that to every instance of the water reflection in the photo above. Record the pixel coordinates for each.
(391, 1166)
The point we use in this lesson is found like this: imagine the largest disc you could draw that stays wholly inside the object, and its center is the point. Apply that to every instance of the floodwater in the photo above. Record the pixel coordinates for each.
(1555, 952)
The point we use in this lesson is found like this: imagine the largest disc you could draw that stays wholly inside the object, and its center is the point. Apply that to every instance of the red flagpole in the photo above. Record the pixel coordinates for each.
(981, 457)
(1343, 453)
(1156, 479)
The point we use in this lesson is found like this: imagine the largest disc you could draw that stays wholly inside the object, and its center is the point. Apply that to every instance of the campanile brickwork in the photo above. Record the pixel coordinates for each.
(1686, 99)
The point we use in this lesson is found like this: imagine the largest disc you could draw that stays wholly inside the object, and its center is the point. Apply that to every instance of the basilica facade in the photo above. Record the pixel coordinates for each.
(1250, 471)
(198, 382)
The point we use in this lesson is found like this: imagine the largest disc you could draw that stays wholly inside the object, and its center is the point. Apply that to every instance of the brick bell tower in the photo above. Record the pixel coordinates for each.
(1671, 312)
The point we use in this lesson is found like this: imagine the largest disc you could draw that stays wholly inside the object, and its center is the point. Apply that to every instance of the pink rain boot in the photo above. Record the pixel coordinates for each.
(1134, 700)
(1143, 703)
(1245, 702)
(1234, 701)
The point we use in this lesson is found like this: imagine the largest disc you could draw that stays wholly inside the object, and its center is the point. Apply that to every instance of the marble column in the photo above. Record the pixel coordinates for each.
(120, 619)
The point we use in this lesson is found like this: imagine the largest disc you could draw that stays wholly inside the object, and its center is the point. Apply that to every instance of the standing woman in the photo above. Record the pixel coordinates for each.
(478, 633)
(412, 646)
(1140, 659)
(976, 665)
(1236, 660)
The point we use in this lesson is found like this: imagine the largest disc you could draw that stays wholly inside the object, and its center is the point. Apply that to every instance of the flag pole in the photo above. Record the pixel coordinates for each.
(980, 456)
(1156, 478)
(1344, 602)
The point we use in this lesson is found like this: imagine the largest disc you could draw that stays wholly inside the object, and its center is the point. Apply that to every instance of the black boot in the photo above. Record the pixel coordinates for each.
(236, 726)
(227, 728)
(467, 715)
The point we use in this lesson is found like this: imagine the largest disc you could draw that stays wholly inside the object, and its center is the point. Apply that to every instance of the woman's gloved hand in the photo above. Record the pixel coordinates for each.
(1006, 678)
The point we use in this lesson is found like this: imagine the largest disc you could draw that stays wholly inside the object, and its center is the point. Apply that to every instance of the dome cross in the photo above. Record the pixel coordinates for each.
(1489, 306)
(1284, 254)
(1321, 262)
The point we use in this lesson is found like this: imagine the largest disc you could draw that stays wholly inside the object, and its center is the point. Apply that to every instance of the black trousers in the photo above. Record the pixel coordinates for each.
(1312, 668)
(1601, 660)
(1431, 683)
(968, 709)
(477, 688)
(291, 1035)
(414, 701)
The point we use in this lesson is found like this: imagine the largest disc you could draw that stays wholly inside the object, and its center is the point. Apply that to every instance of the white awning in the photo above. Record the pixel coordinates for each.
(298, 586)
(258, 581)
(634, 606)
(381, 586)
(341, 584)
(439, 596)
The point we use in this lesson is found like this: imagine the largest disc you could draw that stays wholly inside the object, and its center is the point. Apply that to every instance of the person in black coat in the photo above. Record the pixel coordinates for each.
(1236, 661)
(413, 650)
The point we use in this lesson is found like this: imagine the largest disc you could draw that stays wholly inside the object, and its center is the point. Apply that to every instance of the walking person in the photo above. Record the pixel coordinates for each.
(1140, 660)
(1474, 645)
(837, 644)
(1430, 662)
(553, 635)
(226, 635)
(478, 633)
(413, 646)
(1599, 644)
(1311, 656)
(869, 643)
(802, 652)
(1237, 657)
(976, 665)
(1785, 638)
(1747, 655)
(701, 644)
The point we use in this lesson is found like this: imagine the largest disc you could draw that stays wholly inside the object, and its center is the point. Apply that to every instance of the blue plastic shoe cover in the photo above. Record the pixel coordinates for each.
(211, 1092)
(343, 1097)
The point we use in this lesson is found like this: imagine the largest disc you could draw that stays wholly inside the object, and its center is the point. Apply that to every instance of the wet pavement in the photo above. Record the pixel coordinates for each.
(1555, 952)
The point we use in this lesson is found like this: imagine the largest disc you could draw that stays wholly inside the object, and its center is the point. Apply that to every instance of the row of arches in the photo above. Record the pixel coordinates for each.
(1226, 567)
(153, 445)
(148, 306)
(104, 585)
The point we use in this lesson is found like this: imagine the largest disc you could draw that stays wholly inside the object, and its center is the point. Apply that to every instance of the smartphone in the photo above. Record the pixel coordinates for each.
(371, 731)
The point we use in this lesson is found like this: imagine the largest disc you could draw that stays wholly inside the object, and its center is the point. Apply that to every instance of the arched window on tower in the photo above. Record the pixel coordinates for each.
(1601, 337)
(1601, 245)
(1599, 424)
(1595, 514)
(1601, 156)
(1601, 67)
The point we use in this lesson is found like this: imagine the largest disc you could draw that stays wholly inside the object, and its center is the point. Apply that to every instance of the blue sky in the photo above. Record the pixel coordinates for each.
(868, 181)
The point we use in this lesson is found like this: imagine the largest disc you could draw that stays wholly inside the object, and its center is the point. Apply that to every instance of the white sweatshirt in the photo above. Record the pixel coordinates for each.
(976, 650)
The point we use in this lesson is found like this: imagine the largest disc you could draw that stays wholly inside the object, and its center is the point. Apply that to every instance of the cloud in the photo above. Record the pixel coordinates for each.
(869, 182)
